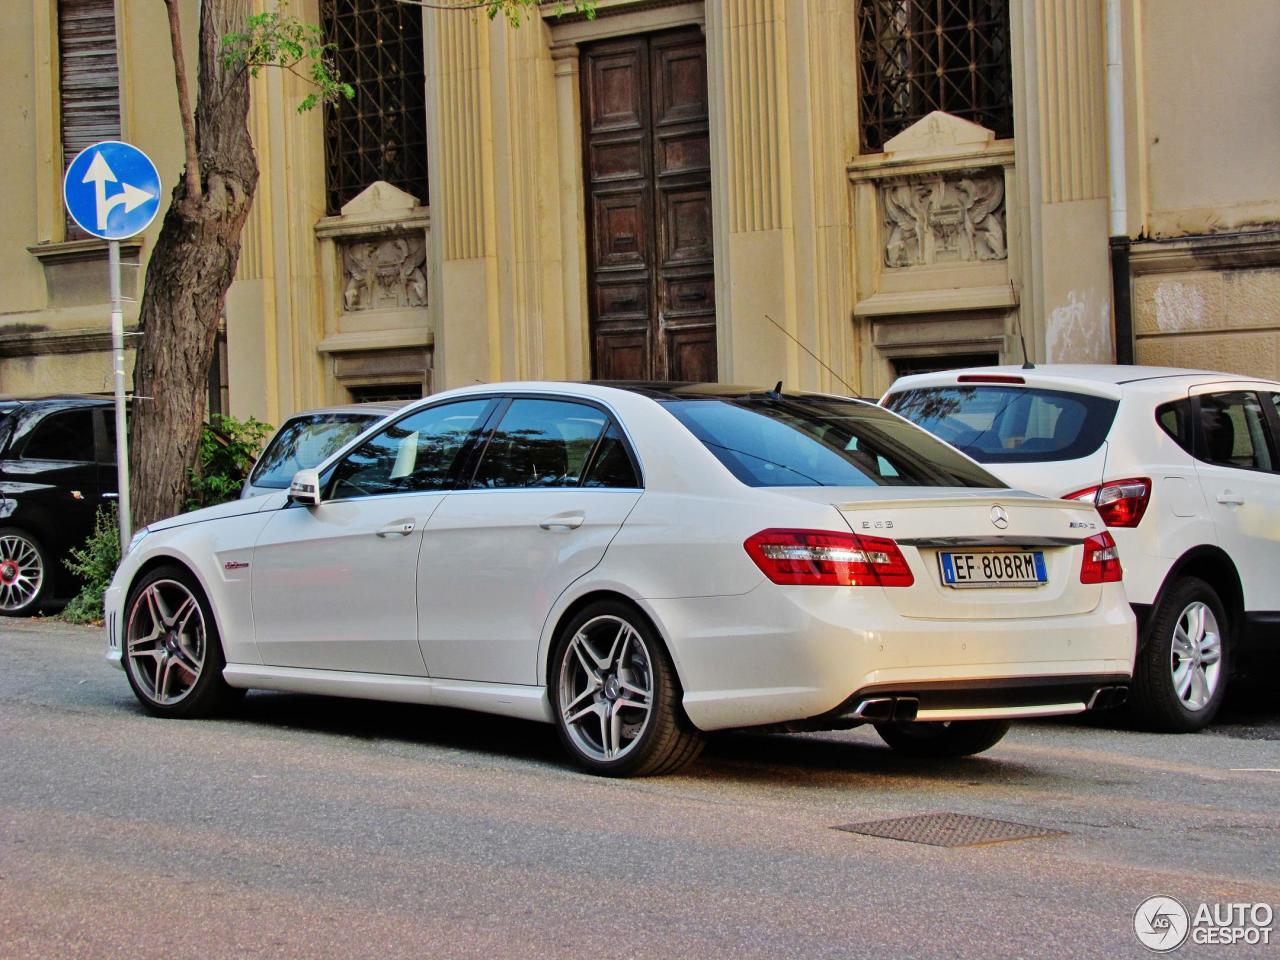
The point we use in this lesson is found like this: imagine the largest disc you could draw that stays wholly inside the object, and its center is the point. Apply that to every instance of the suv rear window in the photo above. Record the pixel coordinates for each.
(781, 441)
(998, 424)
(304, 443)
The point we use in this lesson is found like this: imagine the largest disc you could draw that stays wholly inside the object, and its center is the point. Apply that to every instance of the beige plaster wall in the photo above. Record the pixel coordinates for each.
(1212, 126)
(1226, 320)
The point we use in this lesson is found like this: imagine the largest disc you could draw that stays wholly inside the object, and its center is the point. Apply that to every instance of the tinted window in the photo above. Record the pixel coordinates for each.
(414, 454)
(611, 466)
(62, 436)
(306, 442)
(809, 441)
(1233, 431)
(998, 424)
(540, 443)
(1175, 420)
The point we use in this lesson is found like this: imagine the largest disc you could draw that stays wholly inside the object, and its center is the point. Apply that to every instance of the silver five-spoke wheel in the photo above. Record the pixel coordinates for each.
(606, 688)
(1196, 656)
(615, 694)
(165, 641)
(22, 573)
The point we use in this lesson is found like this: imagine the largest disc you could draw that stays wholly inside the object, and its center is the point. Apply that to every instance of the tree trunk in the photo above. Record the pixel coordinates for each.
(188, 274)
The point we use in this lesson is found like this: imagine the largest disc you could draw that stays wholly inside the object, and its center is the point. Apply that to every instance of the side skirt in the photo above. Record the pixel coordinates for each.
(508, 700)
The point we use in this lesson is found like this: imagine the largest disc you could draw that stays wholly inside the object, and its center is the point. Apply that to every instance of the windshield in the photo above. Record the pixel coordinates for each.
(789, 441)
(999, 424)
(305, 442)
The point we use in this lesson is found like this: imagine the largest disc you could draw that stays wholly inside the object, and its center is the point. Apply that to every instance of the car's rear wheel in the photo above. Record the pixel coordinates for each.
(953, 738)
(25, 576)
(616, 697)
(172, 653)
(1181, 674)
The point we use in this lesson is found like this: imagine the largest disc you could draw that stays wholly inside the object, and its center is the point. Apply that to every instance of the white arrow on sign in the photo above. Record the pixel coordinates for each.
(100, 174)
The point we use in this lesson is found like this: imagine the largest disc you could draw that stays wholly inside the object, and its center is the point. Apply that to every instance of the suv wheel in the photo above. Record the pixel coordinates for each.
(615, 695)
(25, 577)
(953, 738)
(1181, 674)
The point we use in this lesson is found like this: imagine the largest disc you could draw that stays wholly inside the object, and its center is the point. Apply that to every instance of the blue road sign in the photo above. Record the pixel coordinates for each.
(112, 190)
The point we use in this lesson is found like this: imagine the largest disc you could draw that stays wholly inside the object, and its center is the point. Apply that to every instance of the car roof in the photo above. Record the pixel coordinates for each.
(374, 409)
(663, 391)
(1120, 376)
(8, 404)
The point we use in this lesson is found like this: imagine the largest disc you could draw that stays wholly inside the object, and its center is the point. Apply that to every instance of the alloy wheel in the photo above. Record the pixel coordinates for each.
(21, 572)
(606, 688)
(1196, 656)
(165, 641)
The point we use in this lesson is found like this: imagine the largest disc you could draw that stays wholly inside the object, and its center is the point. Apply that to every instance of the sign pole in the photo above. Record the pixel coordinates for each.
(122, 430)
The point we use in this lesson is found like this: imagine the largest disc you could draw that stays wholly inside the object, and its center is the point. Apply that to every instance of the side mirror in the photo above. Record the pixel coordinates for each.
(305, 488)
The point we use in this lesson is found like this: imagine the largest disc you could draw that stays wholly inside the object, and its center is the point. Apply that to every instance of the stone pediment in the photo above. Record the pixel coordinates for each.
(379, 199)
(939, 133)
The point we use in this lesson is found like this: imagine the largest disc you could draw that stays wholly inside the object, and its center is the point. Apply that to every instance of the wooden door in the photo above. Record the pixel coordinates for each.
(648, 189)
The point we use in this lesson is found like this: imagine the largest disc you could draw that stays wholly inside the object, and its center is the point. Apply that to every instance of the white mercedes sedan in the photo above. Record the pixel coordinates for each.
(638, 564)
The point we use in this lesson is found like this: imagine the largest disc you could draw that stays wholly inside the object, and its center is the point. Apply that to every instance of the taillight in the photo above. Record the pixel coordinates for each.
(1101, 560)
(1121, 502)
(990, 378)
(825, 558)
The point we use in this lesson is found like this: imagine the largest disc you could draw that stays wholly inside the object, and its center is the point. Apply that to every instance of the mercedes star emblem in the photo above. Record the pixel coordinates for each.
(999, 516)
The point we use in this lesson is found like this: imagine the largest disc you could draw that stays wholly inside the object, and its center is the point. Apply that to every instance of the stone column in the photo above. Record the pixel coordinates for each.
(463, 254)
(573, 266)
(1060, 142)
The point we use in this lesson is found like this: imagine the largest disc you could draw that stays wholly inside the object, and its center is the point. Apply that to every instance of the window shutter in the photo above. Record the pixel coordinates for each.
(90, 79)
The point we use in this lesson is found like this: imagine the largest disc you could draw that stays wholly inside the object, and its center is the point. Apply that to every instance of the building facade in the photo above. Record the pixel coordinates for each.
(823, 192)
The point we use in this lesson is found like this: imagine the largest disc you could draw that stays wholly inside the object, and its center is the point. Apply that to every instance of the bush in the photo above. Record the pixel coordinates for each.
(228, 448)
(95, 563)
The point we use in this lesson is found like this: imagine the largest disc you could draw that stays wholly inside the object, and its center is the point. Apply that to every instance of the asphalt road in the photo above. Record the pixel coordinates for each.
(306, 827)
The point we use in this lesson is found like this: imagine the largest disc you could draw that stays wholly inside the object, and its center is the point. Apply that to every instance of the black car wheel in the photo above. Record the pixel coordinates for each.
(25, 577)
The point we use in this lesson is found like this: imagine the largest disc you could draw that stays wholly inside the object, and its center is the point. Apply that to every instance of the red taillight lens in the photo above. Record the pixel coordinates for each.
(1121, 502)
(825, 558)
(989, 378)
(1101, 560)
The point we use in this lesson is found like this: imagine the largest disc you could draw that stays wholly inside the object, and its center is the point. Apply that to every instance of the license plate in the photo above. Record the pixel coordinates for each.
(1005, 569)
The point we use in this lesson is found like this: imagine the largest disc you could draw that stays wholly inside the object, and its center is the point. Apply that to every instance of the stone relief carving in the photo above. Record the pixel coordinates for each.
(383, 272)
(944, 218)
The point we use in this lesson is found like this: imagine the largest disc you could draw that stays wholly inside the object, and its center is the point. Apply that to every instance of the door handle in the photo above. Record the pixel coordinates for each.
(397, 528)
(1232, 499)
(567, 521)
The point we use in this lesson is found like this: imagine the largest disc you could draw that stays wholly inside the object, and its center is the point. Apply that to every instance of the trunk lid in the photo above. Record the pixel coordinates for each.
(927, 522)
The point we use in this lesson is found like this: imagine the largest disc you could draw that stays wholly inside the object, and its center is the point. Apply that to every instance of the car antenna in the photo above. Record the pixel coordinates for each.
(1026, 361)
(852, 392)
(776, 392)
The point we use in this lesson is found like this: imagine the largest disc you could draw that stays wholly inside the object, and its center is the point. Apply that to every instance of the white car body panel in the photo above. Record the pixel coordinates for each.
(1182, 513)
(747, 651)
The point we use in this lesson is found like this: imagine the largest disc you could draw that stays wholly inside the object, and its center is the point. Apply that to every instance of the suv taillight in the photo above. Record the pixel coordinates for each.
(1121, 502)
(825, 558)
(1101, 560)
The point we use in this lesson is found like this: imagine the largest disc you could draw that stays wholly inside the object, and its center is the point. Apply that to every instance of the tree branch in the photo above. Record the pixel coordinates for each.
(194, 191)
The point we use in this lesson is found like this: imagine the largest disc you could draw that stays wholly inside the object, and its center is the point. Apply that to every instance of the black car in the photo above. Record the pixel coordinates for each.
(57, 467)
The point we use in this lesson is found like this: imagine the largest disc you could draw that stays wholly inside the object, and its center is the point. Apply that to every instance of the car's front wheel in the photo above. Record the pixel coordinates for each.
(1181, 673)
(25, 577)
(953, 738)
(616, 697)
(172, 654)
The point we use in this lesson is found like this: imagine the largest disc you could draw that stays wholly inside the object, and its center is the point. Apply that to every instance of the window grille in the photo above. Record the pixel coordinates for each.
(381, 134)
(917, 56)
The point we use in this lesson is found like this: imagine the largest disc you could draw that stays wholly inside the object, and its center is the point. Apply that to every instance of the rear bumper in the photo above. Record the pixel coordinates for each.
(788, 655)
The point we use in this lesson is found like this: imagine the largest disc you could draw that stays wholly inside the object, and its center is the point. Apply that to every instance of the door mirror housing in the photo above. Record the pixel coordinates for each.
(305, 488)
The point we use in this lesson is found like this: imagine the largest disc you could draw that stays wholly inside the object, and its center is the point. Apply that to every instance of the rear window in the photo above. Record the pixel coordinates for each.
(304, 443)
(768, 441)
(998, 424)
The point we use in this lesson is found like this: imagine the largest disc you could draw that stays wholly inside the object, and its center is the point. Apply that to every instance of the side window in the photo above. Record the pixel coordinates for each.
(413, 455)
(540, 443)
(1233, 431)
(611, 466)
(62, 436)
(1174, 420)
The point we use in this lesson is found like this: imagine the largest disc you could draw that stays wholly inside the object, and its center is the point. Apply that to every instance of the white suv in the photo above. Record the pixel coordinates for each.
(1183, 466)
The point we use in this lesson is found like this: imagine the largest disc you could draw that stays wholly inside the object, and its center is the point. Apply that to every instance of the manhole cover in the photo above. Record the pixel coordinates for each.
(948, 830)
